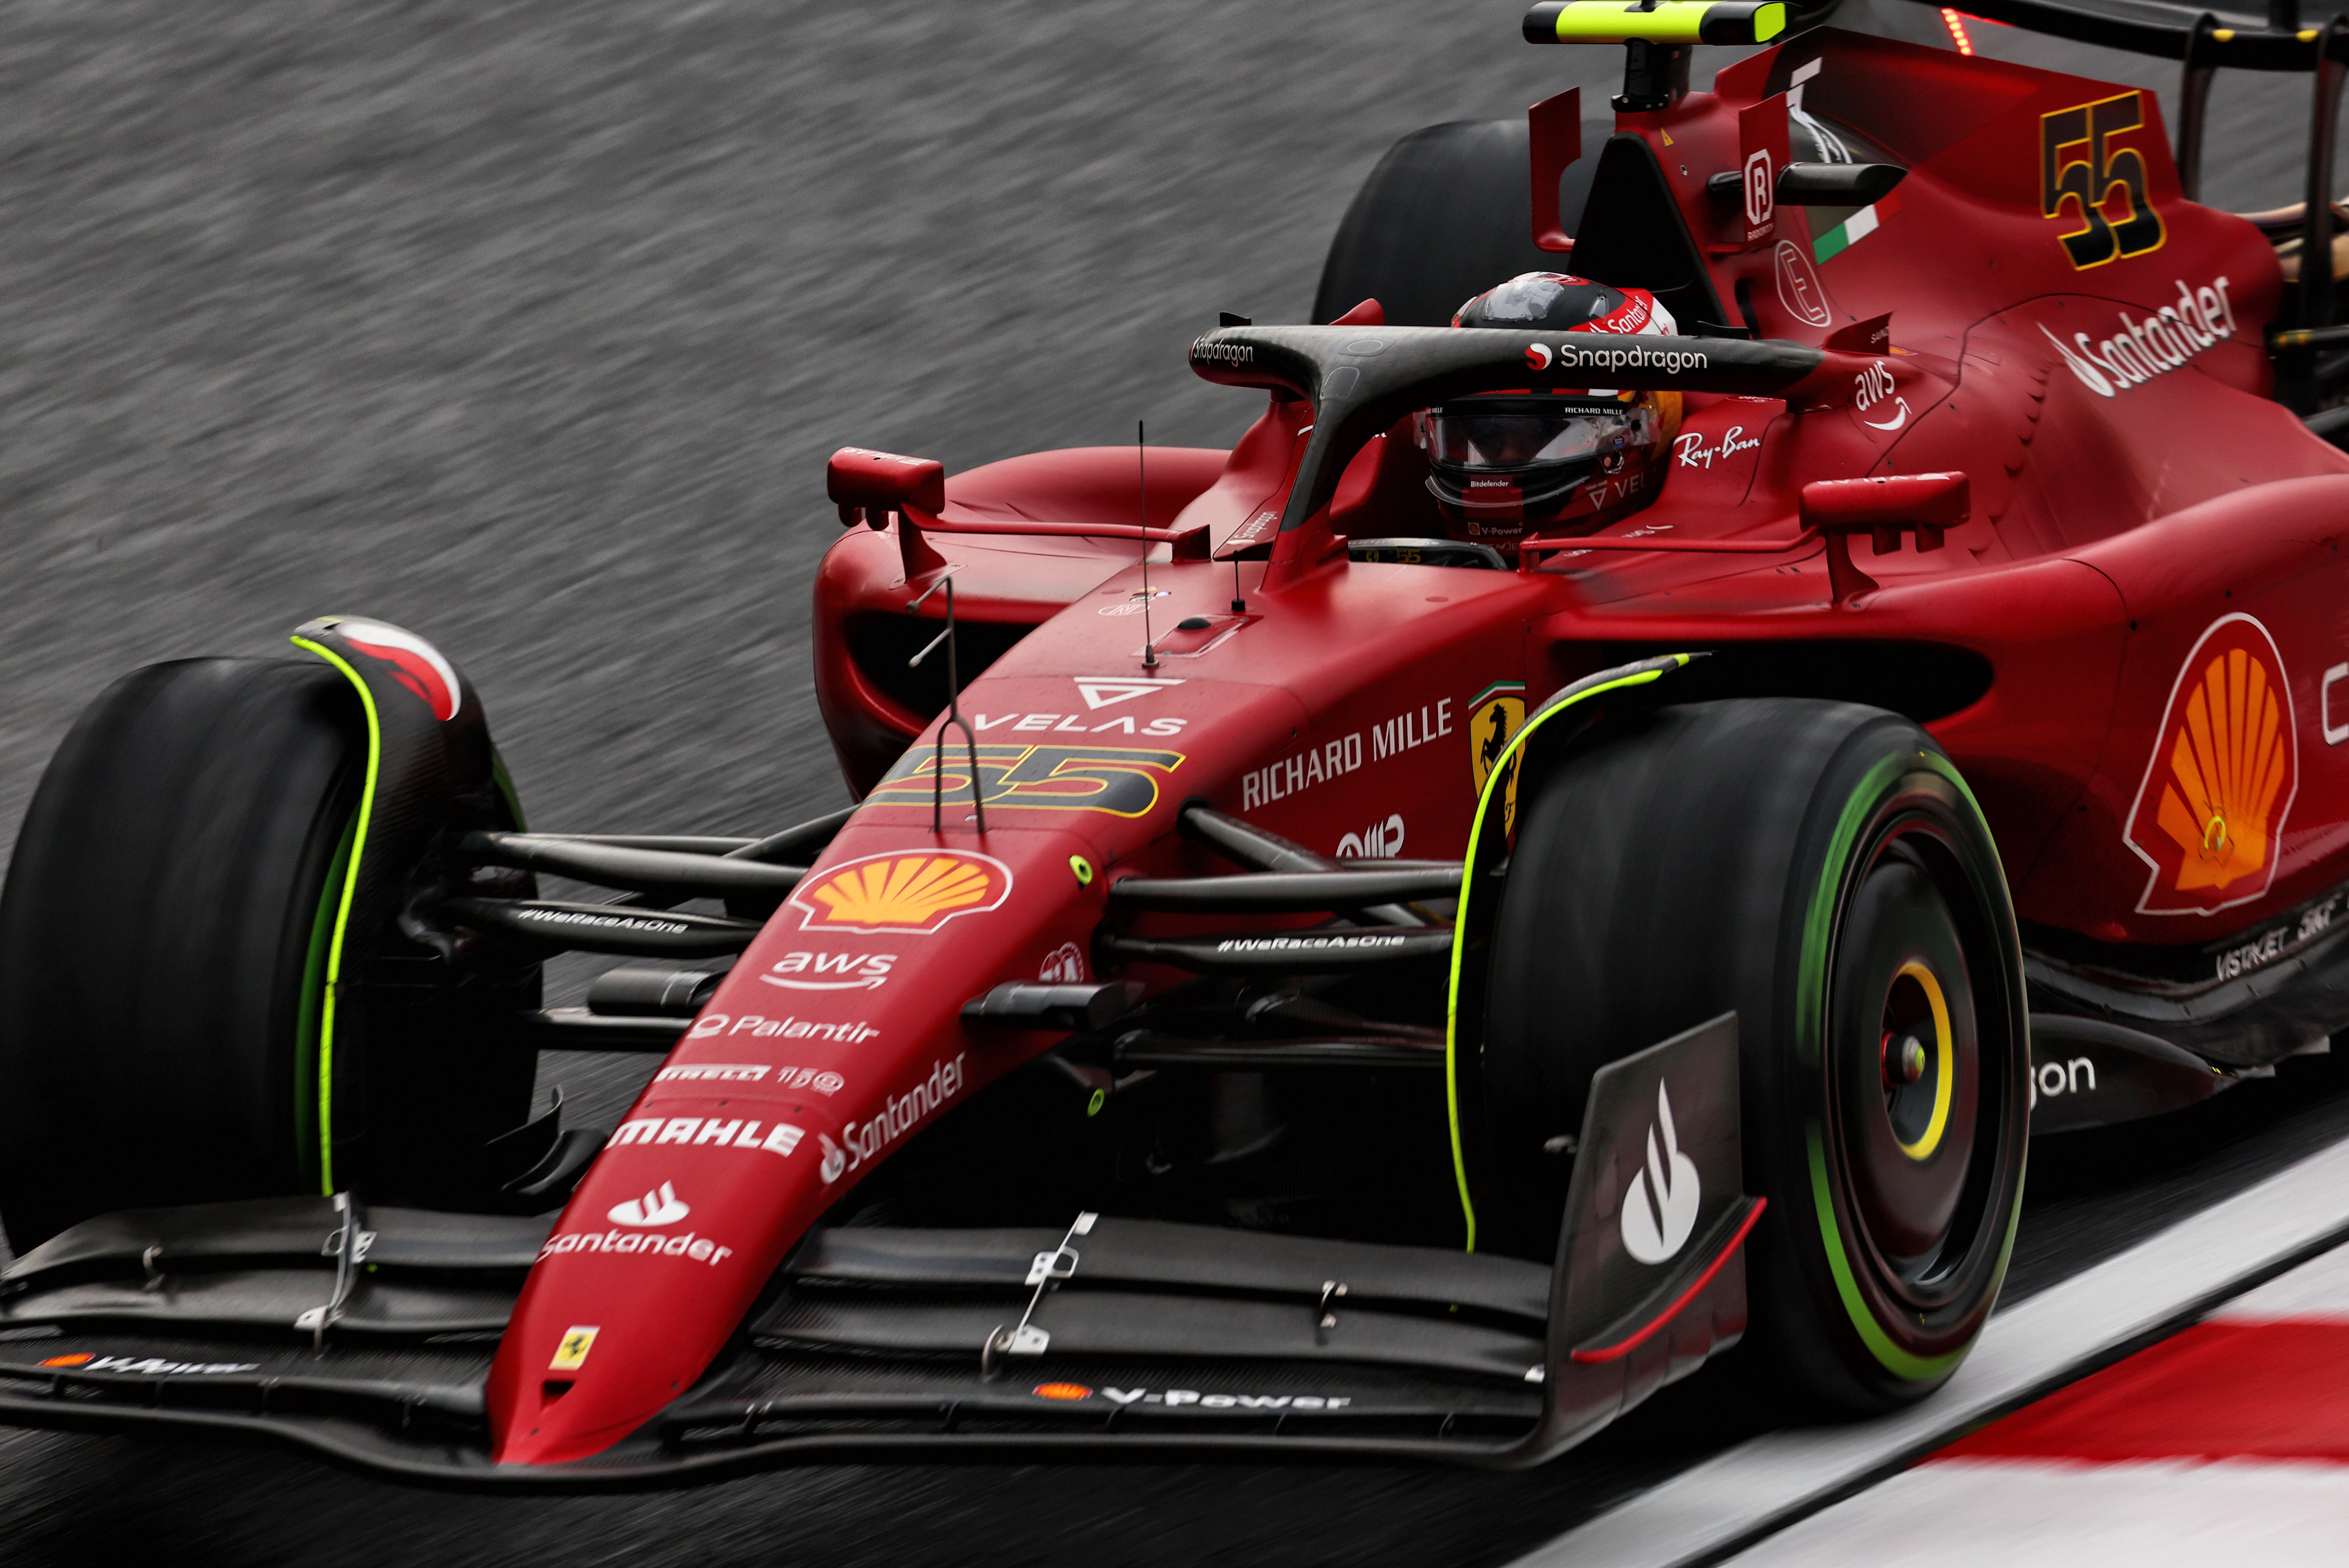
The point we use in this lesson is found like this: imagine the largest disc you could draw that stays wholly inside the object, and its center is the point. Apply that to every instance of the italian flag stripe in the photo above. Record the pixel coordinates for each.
(1854, 229)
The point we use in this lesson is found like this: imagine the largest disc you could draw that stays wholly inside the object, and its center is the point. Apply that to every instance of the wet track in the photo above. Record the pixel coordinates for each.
(528, 326)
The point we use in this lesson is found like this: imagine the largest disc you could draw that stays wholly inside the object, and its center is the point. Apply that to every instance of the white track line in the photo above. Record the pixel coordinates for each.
(1763, 1485)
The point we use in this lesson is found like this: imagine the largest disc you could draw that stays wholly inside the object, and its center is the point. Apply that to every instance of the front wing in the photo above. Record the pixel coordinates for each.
(367, 1334)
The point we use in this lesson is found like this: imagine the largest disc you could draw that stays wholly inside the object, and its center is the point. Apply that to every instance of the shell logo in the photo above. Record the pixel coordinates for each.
(912, 893)
(1062, 1391)
(2222, 775)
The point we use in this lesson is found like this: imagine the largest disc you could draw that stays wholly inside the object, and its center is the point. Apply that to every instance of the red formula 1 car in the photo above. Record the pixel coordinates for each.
(1567, 846)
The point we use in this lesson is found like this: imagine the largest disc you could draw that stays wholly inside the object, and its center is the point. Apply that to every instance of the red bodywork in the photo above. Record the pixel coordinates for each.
(2150, 581)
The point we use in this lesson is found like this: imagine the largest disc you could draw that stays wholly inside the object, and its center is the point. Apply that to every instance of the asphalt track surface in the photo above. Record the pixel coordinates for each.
(528, 326)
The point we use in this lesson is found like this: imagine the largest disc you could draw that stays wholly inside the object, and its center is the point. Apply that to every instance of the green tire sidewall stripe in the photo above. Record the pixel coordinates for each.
(1495, 781)
(342, 914)
(504, 782)
(1810, 1002)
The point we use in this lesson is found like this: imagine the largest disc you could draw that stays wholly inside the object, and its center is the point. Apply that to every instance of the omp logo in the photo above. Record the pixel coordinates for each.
(2222, 775)
(661, 1208)
(910, 894)
(1376, 842)
(1659, 1206)
(414, 664)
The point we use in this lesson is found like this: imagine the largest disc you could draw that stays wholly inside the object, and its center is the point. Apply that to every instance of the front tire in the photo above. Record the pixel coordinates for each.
(160, 936)
(164, 934)
(1820, 868)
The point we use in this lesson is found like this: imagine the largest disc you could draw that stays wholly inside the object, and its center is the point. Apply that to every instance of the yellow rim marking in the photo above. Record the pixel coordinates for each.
(1945, 1075)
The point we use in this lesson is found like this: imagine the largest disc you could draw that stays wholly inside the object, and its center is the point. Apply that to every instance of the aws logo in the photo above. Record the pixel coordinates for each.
(910, 894)
(2221, 778)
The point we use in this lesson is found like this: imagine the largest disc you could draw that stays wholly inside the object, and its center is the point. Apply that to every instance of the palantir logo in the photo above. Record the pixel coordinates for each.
(1660, 1208)
(661, 1208)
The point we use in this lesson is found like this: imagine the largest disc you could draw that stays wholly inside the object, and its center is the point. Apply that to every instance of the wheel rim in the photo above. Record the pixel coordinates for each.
(1917, 1061)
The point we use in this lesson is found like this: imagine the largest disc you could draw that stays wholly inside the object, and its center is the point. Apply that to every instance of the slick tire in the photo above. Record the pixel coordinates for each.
(1446, 214)
(163, 936)
(1820, 868)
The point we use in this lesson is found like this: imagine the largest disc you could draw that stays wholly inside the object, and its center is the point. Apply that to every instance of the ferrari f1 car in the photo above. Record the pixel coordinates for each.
(1297, 980)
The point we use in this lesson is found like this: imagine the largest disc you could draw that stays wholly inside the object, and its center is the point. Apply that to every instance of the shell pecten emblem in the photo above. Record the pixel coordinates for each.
(2221, 778)
(910, 893)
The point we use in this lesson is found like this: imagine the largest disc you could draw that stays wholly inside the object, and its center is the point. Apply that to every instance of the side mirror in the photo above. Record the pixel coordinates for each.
(1883, 507)
(869, 485)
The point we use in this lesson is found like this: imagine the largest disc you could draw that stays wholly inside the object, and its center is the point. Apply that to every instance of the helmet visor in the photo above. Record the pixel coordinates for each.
(1511, 439)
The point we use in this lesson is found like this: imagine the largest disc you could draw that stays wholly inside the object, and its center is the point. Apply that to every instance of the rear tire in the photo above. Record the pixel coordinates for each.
(1446, 214)
(1819, 868)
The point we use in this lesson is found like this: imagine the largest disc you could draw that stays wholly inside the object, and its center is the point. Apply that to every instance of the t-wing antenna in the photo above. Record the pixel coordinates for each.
(954, 718)
(1657, 36)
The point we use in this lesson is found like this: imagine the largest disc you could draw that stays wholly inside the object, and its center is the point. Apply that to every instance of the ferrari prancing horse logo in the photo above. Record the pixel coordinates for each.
(571, 1354)
(2221, 778)
(1495, 716)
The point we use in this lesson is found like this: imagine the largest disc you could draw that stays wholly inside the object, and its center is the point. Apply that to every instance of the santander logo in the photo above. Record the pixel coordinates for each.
(1659, 1207)
(661, 1208)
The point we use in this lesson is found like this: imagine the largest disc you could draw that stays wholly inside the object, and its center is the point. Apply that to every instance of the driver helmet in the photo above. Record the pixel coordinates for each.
(1502, 465)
